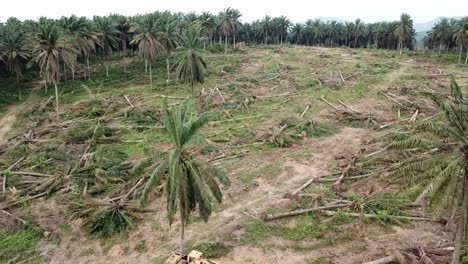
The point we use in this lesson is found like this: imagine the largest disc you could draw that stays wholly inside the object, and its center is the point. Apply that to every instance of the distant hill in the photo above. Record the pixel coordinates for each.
(426, 26)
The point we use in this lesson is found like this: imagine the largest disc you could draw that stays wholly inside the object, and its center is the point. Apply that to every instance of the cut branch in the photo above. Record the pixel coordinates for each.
(336, 186)
(328, 103)
(305, 110)
(129, 102)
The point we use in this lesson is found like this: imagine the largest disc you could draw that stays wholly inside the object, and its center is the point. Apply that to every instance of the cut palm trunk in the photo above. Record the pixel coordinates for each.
(393, 217)
(270, 217)
(57, 101)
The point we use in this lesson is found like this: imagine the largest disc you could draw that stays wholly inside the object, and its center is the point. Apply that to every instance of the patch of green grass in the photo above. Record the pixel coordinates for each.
(212, 250)
(306, 227)
(20, 244)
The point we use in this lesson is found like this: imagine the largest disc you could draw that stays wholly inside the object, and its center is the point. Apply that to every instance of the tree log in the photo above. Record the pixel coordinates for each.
(269, 217)
(388, 259)
(396, 217)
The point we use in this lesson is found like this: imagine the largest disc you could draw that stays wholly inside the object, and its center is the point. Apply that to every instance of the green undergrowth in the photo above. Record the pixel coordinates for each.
(20, 245)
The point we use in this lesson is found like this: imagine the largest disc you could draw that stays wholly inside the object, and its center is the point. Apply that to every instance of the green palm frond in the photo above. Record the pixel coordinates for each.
(452, 170)
(409, 143)
(155, 178)
(419, 164)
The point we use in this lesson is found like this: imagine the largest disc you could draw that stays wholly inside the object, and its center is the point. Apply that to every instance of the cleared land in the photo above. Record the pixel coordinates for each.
(285, 115)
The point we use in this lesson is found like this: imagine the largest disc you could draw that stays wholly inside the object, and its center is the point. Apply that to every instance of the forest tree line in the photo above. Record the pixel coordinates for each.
(75, 39)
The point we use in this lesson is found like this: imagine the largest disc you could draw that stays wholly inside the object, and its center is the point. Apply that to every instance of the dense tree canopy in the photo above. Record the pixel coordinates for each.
(157, 35)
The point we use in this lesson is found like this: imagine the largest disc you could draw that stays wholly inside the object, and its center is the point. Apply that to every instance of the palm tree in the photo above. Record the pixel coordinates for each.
(442, 32)
(318, 31)
(208, 25)
(189, 63)
(189, 183)
(109, 36)
(282, 28)
(235, 16)
(297, 33)
(404, 30)
(446, 166)
(169, 38)
(51, 48)
(13, 49)
(359, 28)
(332, 32)
(461, 37)
(125, 28)
(85, 39)
(266, 28)
(349, 32)
(147, 39)
(227, 26)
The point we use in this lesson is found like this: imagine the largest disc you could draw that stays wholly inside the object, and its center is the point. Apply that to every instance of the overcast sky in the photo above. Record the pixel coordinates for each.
(296, 10)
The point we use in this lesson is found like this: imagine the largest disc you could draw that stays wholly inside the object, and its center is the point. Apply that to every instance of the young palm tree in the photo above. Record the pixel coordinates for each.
(13, 49)
(404, 31)
(52, 48)
(109, 36)
(446, 167)
(189, 183)
(169, 38)
(189, 63)
(148, 41)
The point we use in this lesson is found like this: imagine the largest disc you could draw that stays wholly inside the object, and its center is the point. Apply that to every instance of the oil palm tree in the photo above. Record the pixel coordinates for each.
(359, 29)
(51, 48)
(461, 37)
(85, 40)
(266, 28)
(14, 50)
(189, 63)
(445, 170)
(442, 32)
(228, 24)
(148, 41)
(189, 183)
(109, 36)
(208, 25)
(169, 38)
(404, 30)
(282, 28)
(125, 27)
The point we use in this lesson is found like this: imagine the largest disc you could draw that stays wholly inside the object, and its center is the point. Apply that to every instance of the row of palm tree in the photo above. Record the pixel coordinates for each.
(448, 35)
(60, 47)
(357, 34)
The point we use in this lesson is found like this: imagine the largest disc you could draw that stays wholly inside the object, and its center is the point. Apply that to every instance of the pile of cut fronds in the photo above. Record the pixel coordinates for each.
(441, 158)
(103, 219)
(89, 131)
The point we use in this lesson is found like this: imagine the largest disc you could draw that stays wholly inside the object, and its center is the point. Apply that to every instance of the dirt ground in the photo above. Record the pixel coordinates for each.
(312, 158)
